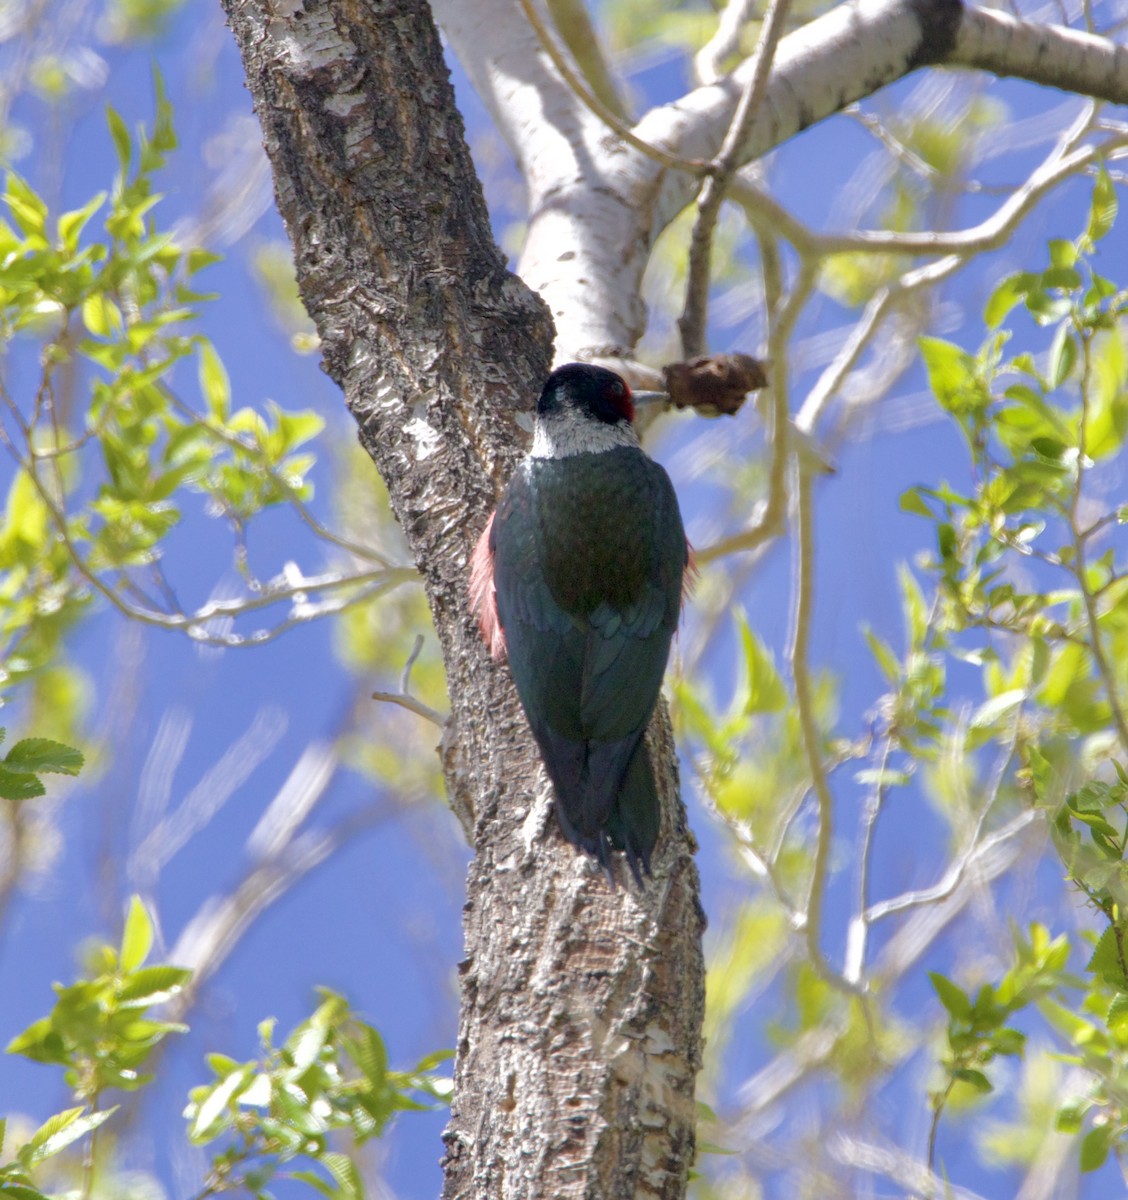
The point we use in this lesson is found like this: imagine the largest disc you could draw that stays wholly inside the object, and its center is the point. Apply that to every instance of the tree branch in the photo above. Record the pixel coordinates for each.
(1052, 55)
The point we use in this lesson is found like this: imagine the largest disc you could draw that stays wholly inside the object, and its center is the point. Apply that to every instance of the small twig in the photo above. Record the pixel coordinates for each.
(693, 321)
(405, 678)
(769, 1086)
(804, 700)
(379, 581)
(934, 1127)
(412, 705)
(223, 918)
(404, 698)
(89, 1158)
(772, 512)
(583, 93)
(894, 145)
(953, 876)
(902, 1168)
(761, 864)
(1078, 570)
(859, 929)
(989, 234)
(574, 25)
(973, 846)
(957, 248)
(791, 809)
(725, 41)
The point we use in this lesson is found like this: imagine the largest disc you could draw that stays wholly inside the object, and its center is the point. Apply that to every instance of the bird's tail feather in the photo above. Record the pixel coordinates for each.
(635, 815)
(606, 797)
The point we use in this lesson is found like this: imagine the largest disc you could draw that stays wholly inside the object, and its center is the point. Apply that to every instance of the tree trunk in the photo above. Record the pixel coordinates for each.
(581, 1005)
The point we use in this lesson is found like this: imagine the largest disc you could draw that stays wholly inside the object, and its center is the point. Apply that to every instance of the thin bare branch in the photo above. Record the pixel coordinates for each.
(771, 514)
(812, 741)
(708, 62)
(583, 93)
(954, 876)
(1078, 568)
(404, 698)
(579, 34)
(412, 705)
(694, 319)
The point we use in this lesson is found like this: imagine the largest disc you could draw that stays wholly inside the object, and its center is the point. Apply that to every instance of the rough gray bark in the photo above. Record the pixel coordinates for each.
(581, 1006)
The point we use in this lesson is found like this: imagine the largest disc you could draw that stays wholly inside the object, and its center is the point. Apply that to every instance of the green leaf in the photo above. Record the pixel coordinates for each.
(222, 1064)
(953, 998)
(214, 383)
(1065, 279)
(207, 1119)
(765, 689)
(1106, 960)
(40, 1042)
(71, 224)
(883, 652)
(18, 785)
(137, 937)
(1071, 1115)
(164, 134)
(437, 1057)
(1095, 1147)
(153, 985)
(1011, 1042)
(120, 134)
(100, 315)
(26, 206)
(368, 1052)
(1102, 210)
(1011, 291)
(913, 502)
(1063, 253)
(345, 1173)
(19, 1191)
(307, 1040)
(1117, 1019)
(952, 376)
(198, 258)
(975, 1078)
(317, 1183)
(1063, 357)
(59, 1132)
(991, 711)
(42, 754)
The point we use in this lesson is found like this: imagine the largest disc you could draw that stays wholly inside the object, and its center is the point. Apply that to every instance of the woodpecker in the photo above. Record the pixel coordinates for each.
(578, 579)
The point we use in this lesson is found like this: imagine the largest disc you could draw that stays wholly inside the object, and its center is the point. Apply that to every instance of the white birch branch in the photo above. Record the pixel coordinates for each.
(596, 207)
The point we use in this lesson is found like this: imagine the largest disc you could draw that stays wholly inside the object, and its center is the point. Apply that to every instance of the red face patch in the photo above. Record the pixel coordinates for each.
(618, 395)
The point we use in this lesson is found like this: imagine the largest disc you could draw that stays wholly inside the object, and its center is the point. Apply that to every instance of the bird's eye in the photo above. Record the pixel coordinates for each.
(618, 389)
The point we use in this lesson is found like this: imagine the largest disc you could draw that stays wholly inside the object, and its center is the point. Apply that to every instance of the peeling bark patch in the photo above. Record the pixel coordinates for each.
(425, 436)
(343, 103)
(939, 28)
(310, 40)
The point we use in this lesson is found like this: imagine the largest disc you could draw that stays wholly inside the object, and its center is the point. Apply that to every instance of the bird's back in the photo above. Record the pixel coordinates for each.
(589, 557)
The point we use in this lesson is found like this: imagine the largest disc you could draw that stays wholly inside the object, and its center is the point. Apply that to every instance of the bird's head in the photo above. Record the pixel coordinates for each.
(584, 408)
(589, 391)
